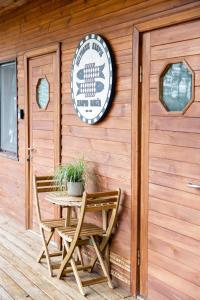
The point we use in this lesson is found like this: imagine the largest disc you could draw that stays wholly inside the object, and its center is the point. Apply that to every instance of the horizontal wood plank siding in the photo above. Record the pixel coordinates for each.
(173, 162)
(107, 145)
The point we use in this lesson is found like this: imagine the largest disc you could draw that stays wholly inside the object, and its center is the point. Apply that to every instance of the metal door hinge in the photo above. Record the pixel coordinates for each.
(138, 257)
(140, 74)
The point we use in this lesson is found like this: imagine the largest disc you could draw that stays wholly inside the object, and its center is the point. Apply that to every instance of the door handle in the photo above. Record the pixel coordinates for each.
(30, 149)
(193, 185)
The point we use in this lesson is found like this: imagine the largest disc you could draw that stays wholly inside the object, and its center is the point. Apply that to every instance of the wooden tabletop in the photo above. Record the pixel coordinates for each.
(63, 199)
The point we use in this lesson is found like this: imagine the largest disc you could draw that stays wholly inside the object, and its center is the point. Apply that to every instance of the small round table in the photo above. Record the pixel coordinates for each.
(63, 200)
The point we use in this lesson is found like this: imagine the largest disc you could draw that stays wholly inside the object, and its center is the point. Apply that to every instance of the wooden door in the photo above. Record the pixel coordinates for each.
(170, 151)
(43, 151)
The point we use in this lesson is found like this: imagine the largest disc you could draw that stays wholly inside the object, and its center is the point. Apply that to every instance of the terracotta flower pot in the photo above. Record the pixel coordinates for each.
(75, 188)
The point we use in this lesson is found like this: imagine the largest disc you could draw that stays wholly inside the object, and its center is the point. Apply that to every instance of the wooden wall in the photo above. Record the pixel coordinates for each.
(107, 145)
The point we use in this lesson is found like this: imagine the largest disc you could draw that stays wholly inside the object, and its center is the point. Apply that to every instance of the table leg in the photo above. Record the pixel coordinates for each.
(79, 254)
(67, 223)
(105, 226)
(68, 216)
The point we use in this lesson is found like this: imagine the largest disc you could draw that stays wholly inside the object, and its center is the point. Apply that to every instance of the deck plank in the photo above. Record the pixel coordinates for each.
(28, 275)
(33, 252)
(4, 295)
(29, 251)
(12, 288)
(21, 277)
(22, 280)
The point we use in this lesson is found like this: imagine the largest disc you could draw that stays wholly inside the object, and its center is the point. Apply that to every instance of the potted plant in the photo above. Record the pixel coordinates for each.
(71, 177)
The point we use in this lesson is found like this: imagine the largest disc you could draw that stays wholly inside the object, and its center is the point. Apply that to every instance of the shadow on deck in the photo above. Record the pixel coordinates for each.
(21, 277)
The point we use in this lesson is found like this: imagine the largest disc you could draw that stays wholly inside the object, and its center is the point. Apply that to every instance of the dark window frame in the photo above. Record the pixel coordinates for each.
(5, 153)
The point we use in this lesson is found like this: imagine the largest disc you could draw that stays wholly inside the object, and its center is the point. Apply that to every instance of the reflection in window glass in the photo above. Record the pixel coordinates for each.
(8, 105)
(42, 93)
(176, 87)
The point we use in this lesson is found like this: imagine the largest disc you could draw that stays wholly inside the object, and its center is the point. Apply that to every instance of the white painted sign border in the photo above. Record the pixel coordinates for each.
(105, 106)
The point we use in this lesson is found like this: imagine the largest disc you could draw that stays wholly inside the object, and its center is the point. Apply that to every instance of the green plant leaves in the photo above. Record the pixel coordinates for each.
(71, 172)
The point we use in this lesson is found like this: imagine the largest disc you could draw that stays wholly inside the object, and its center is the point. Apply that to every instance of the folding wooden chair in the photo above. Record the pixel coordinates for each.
(44, 184)
(74, 236)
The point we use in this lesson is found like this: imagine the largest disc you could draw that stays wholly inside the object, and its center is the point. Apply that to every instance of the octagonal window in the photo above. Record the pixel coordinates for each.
(42, 93)
(176, 86)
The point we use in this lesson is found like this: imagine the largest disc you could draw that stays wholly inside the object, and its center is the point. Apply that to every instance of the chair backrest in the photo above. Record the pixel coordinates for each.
(43, 184)
(99, 201)
(105, 201)
(102, 201)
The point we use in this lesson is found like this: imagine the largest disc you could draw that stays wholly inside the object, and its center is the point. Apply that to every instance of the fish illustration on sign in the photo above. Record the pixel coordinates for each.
(91, 71)
(88, 74)
(90, 88)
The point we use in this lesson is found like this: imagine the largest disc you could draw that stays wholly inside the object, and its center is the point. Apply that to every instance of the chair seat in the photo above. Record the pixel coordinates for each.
(87, 229)
(50, 225)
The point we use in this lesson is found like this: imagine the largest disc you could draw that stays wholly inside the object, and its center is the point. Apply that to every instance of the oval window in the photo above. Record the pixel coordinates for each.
(42, 93)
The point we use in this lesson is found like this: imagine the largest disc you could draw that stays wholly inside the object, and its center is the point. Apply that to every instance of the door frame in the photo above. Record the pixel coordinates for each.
(52, 48)
(139, 144)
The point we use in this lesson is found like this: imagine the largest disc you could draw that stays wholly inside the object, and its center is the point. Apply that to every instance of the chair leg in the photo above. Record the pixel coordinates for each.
(63, 250)
(46, 251)
(75, 271)
(43, 250)
(102, 247)
(80, 255)
(107, 257)
(66, 259)
(102, 262)
(64, 263)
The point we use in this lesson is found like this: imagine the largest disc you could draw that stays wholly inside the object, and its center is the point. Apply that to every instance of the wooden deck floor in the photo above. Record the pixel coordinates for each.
(21, 277)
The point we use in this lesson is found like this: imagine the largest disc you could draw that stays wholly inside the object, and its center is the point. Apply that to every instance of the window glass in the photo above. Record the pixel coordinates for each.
(42, 93)
(176, 87)
(8, 122)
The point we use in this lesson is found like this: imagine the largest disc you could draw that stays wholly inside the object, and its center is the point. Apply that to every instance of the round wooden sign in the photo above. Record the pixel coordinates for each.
(91, 78)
